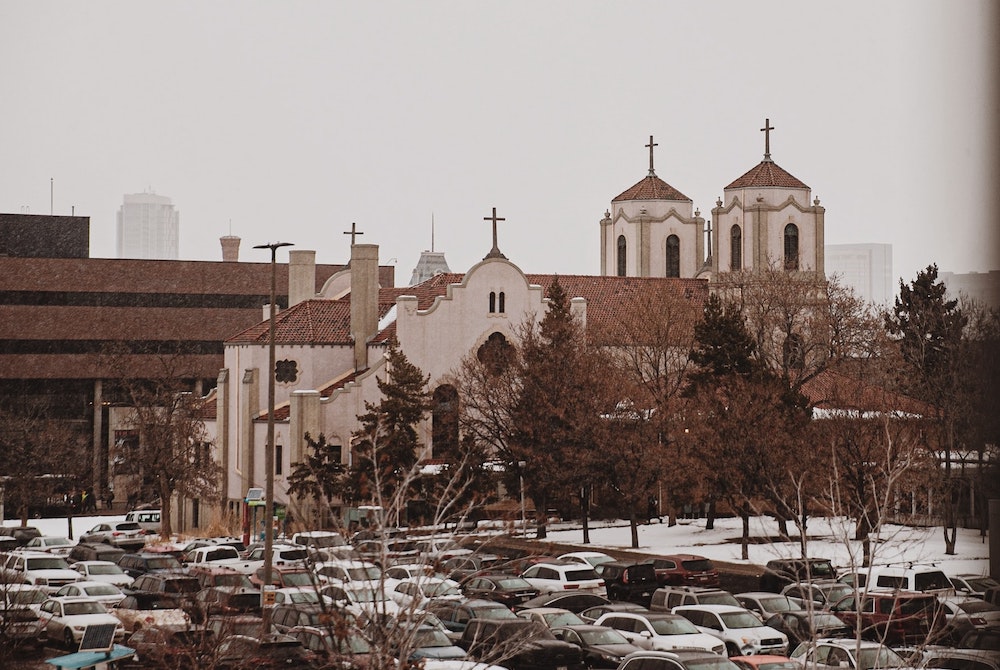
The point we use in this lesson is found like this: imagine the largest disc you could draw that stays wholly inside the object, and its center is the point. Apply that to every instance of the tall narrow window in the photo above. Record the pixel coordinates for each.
(735, 249)
(502, 307)
(791, 247)
(279, 453)
(622, 248)
(673, 256)
(493, 302)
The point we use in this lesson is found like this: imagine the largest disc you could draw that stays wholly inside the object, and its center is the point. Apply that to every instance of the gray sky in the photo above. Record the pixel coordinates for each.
(293, 119)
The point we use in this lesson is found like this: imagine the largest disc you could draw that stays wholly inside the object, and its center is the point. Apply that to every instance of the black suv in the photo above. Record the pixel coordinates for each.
(629, 581)
(136, 565)
(94, 551)
(519, 644)
(781, 572)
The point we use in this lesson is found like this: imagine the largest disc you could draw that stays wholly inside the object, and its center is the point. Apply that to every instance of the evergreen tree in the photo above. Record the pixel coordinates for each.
(320, 477)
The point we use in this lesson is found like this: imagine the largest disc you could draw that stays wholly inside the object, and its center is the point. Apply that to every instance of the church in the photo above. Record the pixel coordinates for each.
(330, 344)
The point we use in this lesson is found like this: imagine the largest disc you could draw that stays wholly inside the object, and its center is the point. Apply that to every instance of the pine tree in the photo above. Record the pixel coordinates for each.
(320, 477)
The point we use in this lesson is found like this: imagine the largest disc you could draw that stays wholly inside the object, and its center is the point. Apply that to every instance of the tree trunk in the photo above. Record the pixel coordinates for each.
(782, 525)
(585, 512)
(710, 516)
(950, 504)
(166, 528)
(633, 523)
(803, 534)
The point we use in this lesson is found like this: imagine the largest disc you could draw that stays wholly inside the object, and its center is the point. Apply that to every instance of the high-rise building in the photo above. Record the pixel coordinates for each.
(981, 287)
(148, 227)
(867, 268)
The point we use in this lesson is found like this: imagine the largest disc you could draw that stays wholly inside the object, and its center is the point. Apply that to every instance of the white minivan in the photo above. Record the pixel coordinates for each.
(148, 519)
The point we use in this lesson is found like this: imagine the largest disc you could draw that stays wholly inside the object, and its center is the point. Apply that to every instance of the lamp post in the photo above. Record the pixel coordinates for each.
(520, 479)
(269, 448)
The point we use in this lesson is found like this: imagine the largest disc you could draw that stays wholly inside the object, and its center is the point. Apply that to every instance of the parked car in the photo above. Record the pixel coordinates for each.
(103, 571)
(273, 650)
(973, 585)
(846, 654)
(822, 592)
(319, 539)
(350, 650)
(986, 639)
(60, 546)
(287, 616)
(39, 568)
(460, 567)
(172, 646)
(94, 551)
(764, 662)
(559, 576)
(222, 600)
(66, 618)
(299, 595)
(23, 595)
(765, 604)
(210, 575)
(20, 625)
(891, 617)
(963, 614)
(139, 564)
(126, 535)
(21, 534)
(429, 642)
(456, 615)
(661, 631)
(592, 614)
(742, 632)
(551, 617)
(922, 578)
(148, 519)
(804, 626)
(139, 610)
(178, 586)
(666, 598)
(568, 600)
(630, 581)
(507, 589)
(415, 592)
(519, 645)
(679, 659)
(286, 575)
(780, 572)
(594, 559)
(602, 647)
(106, 594)
(360, 597)
(965, 659)
(689, 569)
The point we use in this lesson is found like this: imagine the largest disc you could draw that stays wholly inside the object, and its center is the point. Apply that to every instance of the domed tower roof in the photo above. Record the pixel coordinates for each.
(652, 187)
(767, 173)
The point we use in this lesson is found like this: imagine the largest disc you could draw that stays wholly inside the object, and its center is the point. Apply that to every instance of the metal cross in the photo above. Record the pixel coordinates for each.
(353, 232)
(709, 231)
(767, 138)
(495, 251)
(650, 147)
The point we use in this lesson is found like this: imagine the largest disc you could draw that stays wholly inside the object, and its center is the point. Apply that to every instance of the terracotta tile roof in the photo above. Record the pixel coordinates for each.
(835, 391)
(767, 173)
(652, 188)
(283, 411)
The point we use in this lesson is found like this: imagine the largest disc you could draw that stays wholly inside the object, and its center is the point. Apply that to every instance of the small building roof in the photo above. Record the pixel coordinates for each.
(651, 187)
(766, 174)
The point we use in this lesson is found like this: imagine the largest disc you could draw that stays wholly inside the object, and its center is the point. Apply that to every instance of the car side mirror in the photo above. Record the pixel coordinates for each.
(646, 634)
(844, 664)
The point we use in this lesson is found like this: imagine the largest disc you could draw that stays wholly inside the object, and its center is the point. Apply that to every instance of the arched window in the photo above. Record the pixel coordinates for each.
(622, 254)
(735, 249)
(502, 304)
(791, 247)
(444, 422)
(495, 353)
(493, 302)
(673, 256)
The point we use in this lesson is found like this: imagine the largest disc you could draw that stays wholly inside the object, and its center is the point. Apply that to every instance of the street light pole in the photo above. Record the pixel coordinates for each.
(269, 447)
(520, 479)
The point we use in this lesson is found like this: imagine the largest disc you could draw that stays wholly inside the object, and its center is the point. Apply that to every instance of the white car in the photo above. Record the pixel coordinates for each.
(592, 558)
(103, 571)
(22, 595)
(361, 598)
(739, 628)
(142, 609)
(59, 546)
(554, 577)
(846, 654)
(67, 617)
(108, 595)
(299, 595)
(659, 631)
(415, 592)
(40, 568)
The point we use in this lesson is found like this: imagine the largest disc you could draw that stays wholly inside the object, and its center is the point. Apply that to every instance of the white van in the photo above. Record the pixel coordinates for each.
(148, 519)
(923, 578)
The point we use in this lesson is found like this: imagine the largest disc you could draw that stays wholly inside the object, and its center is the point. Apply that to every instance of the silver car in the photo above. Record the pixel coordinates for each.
(127, 535)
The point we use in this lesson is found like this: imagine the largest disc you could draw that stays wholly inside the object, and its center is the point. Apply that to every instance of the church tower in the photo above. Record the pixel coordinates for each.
(765, 219)
(650, 231)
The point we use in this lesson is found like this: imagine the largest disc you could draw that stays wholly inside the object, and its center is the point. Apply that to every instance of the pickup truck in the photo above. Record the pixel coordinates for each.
(225, 556)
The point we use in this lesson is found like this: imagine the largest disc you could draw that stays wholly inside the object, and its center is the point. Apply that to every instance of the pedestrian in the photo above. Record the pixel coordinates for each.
(84, 502)
(110, 499)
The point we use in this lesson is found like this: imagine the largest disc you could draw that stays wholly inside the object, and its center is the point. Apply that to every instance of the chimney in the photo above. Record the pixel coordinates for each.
(230, 248)
(301, 276)
(364, 299)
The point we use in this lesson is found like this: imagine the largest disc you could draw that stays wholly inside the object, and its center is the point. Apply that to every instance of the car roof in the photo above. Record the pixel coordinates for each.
(719, 609)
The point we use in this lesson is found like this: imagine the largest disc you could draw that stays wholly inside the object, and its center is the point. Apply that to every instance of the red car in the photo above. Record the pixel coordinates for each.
(685, 569)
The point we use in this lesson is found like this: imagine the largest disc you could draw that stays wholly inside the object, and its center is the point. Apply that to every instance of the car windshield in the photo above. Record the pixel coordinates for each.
(493, 612)
(366, 572)
(303, 597)
(740, 620)
(779, 604)
(297, 578)
(54, 541)
(102, 590)
(561, 619)
(673, 626)
(431, 637)
(981, 583)
(163, 563)
(606, 636)
(881, 657)
(440, 589)
(365, 595)
(835, 592)
(105, 570)
(822, 620)
(83, 607)
(54, 563)
(709, 663)
(698, 565)
(822, 569)
(719, 598)
(27, 597)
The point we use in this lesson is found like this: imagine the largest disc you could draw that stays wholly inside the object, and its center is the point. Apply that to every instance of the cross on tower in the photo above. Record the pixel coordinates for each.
(767, 138)
(650, 147)
(353, 232)
(495, 251)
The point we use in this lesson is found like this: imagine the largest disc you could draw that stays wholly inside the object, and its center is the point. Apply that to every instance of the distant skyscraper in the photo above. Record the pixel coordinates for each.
(148, 227)
(867, 268)
(982, 287)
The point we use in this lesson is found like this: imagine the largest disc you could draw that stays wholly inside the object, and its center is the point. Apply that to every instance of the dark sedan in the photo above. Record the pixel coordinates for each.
(602, 647)
(507, 589)
(802, 626)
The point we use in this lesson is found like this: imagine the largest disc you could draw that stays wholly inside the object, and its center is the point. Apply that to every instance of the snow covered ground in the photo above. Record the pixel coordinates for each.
(827, 538)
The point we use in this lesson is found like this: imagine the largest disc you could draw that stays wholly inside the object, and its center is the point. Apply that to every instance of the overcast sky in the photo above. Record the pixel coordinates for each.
(291, 120)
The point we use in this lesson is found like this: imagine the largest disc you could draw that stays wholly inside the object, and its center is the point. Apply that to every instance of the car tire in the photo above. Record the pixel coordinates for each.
(731, 649)
(68, 638)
